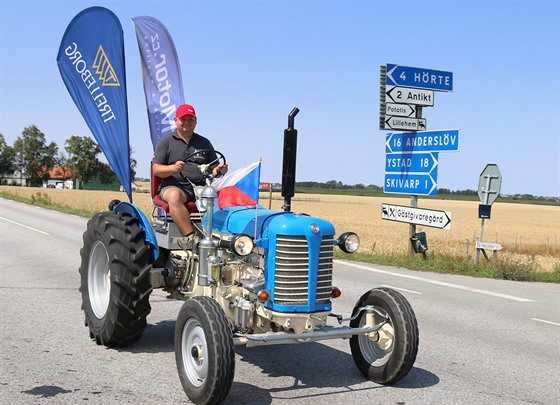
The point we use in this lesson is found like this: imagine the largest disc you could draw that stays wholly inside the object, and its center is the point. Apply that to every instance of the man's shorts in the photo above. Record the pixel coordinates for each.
(188, 193)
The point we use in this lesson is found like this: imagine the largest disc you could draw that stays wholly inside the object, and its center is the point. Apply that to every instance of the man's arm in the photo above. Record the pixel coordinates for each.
(164, 171)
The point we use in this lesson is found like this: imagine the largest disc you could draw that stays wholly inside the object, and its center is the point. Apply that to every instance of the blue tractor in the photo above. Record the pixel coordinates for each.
(251, 277)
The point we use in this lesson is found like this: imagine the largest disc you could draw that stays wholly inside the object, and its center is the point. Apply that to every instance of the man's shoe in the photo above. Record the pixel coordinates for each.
(185, 242)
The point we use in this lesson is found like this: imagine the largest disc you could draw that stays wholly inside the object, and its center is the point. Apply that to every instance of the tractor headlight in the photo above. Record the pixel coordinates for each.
(348, 242)
(241, 244)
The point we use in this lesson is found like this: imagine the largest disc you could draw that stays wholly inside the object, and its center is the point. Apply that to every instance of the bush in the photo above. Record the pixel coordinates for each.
(508, 267)
(40, 199)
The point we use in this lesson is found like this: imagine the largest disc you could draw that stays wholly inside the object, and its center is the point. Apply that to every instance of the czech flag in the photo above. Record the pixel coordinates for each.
(240, 187)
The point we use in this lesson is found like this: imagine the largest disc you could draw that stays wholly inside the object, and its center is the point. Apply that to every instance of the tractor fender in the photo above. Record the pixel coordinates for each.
(128, 208)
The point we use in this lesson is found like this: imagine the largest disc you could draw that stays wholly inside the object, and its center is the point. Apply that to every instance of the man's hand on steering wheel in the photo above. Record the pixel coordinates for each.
(214, 168)
(221, 169)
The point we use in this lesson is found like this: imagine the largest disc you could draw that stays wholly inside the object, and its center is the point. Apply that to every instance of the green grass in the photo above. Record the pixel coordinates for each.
(502, 268)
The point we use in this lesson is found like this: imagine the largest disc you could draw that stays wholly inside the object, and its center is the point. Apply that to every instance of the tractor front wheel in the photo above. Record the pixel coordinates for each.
(389, 355)
(204, 351)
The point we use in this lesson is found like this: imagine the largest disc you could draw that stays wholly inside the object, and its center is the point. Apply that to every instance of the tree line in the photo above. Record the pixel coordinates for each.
(335, 187)
(34, 158)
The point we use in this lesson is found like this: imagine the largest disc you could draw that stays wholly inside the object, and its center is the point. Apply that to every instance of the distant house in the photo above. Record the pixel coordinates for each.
(59, 177)
(14, 179)
(98, 183)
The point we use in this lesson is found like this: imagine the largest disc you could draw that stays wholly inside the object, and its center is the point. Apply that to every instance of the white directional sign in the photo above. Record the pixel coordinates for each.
(407, 95)
(418, 216)
(488, 246)
(401, 110)
(405, 123)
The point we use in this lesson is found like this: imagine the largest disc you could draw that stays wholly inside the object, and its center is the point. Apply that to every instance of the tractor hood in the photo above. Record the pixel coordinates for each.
(238, 220)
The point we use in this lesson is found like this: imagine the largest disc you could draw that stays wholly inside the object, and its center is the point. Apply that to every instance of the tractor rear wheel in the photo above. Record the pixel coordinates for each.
(115, 279)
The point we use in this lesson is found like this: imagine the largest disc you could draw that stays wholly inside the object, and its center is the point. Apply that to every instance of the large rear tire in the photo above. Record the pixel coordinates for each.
(115, 279)
(204, 351)
(390, 357)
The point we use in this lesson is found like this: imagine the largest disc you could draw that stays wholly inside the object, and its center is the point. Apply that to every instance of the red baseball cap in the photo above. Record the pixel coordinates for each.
(185, 109)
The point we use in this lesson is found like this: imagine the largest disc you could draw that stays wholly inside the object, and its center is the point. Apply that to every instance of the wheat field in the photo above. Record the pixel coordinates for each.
(523, 230)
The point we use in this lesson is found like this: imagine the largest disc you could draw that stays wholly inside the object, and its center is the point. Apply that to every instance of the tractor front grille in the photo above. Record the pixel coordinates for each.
(294, 277)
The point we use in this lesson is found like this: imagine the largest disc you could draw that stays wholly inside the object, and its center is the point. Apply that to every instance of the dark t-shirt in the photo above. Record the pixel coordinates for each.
(172, 148)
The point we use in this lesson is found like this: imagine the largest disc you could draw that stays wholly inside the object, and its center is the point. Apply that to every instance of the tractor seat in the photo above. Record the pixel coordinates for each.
(159, 203)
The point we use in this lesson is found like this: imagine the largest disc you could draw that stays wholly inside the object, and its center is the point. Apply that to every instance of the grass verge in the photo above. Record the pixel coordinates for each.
(504, 268)
(43, 200)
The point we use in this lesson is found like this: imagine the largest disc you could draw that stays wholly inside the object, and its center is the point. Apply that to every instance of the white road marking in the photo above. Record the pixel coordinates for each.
(542, 320)
(401, 289)
(442, 283)
(25, 226)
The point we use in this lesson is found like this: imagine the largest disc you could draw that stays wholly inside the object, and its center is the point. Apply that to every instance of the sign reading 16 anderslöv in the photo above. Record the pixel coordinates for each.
(446, 140)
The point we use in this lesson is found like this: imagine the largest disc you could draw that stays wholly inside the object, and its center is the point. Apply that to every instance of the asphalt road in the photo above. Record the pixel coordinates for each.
(481, 341)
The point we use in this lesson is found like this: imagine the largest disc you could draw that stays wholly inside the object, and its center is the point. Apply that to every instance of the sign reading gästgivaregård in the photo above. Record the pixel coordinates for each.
(419, 216)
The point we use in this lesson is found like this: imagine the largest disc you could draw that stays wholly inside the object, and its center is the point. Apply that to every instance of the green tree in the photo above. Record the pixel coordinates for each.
(82, 157)
(33, 156)
(7, 157)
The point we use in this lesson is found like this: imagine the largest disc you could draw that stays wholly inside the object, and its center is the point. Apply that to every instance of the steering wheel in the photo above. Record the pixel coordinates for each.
(205, 168)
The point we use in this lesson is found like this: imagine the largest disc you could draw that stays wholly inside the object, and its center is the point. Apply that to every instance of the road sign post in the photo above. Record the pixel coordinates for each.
(404, 90)
(489, 185)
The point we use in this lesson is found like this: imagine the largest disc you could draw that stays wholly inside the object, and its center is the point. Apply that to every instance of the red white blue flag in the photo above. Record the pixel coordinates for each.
(240, 187)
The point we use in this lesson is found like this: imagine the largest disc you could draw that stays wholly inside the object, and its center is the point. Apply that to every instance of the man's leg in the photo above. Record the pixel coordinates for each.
(179, 212)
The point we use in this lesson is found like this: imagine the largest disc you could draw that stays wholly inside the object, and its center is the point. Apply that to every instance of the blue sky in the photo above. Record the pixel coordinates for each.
(246, 64)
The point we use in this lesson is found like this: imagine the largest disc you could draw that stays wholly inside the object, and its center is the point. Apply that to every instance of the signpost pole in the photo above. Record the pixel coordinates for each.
(486, 196)
(412, 227)
(488, 190)
(413, 202)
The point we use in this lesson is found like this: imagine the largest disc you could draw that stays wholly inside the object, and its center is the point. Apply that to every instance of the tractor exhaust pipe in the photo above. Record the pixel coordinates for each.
(289, 161)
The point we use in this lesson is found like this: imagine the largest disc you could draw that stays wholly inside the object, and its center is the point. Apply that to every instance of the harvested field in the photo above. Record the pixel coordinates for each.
(523, 230)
